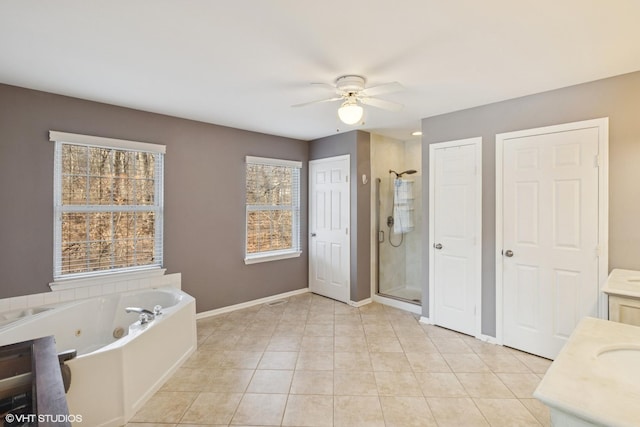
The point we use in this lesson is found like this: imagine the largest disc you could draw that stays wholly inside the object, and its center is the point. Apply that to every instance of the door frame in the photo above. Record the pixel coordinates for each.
(602, 124)
(347, 157)
(477, 142)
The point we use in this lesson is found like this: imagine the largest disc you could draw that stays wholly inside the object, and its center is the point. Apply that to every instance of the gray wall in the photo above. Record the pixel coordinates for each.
(204, 195)
(357, 145)
(617, 98)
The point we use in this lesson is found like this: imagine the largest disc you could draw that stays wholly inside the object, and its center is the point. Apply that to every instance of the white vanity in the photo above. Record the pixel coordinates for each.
(595, 380)
(623, 288)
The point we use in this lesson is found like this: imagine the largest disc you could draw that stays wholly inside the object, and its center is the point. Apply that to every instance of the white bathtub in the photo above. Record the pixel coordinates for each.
(112, 378)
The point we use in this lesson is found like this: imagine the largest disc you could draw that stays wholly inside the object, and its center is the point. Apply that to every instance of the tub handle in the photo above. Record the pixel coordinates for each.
(157, 310)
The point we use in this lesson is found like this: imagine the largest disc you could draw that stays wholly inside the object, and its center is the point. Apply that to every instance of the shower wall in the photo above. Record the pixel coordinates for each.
(400, 268)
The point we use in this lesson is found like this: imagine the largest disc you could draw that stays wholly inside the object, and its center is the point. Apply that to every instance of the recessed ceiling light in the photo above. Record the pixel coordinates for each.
(416, 133)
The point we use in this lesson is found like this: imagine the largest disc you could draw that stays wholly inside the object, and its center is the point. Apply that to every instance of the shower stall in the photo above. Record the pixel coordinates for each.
(396, 168)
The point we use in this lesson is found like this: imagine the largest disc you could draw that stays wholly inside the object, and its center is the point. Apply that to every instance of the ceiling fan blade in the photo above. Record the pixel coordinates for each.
(381, 103)
(383, 88)
(304, 104)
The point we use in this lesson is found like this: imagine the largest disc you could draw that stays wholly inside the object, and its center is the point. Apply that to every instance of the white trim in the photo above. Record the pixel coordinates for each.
(98, 141)
(265, 256)
(334, 158)
(252, 303)
(603, 207)
(425, 320)
(401, 305)
(273, 162)
(488, 339)
(360, 303)
(101, 278)
(477, 142)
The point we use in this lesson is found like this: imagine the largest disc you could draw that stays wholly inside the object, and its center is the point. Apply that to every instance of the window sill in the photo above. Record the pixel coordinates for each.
(271, 257)
(103, 278)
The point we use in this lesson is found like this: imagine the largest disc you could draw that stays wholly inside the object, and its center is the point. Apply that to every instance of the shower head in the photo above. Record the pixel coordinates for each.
(407, 172)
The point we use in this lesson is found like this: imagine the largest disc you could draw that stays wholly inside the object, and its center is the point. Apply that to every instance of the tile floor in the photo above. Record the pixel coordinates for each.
(311, 361)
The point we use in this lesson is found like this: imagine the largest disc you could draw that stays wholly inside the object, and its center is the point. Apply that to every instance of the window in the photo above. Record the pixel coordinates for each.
(273, 209)
(108, 205)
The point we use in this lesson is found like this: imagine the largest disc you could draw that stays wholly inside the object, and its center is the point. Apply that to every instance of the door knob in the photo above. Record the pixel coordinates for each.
(508, 253)
(437, 245)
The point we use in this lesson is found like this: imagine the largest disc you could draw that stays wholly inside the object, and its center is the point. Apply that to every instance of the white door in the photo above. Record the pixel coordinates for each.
(329, 248)
(456, 230)
(549, 236)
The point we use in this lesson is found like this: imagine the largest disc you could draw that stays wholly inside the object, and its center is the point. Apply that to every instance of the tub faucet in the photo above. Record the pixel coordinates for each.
(145, 315)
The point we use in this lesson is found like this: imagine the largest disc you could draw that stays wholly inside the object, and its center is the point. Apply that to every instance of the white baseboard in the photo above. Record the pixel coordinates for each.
(406, 306)
(488, 339)
(426, 320)
(252, 303)
(360, 303)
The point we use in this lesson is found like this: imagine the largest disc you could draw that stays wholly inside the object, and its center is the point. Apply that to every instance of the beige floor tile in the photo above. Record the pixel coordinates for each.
(278, 360)
(212, 408)
(354, 384)
(539, 410)
(165, 407)
(357, 411)
(406, 411)
(486, 385)
(188, 379)
(383, 344)
(427, 362)
(204, 359)
(456, 412)
(270, 381)
(348, 330)
(315, 361)
(397, 384)
(418, 344)
(345, 309)
(229, 380)
(319, 329)
(502, 362)
(320, 318)
(251, 343)
(537, 364)
(260, 409)
(352, 318)
(382, 329)
(350, 343)
(309, 411)
(241, 359)
(292, 328)
(395, 362)
(221, 341)
(522, 385)
(440, 385)
(451, 345)
(433, 331)
(465, 362)
(316, 343)
(352, 361)
(154, 425)
(506, 413)
(481, 347)
(260, 329)
(286, 343)
(312, 382)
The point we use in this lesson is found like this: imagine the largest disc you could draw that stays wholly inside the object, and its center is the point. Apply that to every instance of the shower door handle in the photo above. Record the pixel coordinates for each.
(313, 234)
(437, 245)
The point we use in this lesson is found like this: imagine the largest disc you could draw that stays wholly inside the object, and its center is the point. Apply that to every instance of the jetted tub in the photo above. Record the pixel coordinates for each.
(111, 378)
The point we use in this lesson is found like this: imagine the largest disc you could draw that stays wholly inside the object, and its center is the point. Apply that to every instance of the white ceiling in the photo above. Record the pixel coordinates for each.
(243, 63)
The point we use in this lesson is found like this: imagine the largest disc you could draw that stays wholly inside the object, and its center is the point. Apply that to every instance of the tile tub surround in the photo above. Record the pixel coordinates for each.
(317, 362)
(594, 391)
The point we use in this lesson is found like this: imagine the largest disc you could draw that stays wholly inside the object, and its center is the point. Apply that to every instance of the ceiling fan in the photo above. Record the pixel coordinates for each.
(352, 91)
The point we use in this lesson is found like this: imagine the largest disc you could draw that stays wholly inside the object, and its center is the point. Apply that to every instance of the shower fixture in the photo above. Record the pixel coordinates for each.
(407, 172)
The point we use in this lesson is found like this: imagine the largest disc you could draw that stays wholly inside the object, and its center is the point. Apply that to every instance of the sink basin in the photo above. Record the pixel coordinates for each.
(621, 363)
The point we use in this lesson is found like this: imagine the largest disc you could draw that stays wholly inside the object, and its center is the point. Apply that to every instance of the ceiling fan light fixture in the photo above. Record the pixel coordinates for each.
(350, 113)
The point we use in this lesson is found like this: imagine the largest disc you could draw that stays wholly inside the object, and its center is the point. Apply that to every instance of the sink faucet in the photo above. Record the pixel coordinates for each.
(145, 315)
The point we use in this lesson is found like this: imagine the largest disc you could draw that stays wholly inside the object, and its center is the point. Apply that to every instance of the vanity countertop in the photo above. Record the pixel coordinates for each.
(596, 376)
(623, 282)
